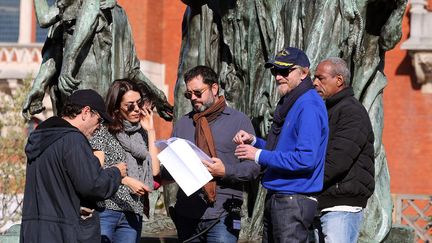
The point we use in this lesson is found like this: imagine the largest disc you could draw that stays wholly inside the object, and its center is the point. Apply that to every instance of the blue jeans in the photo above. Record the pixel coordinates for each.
(119, 226)
(287, 218)
(339, 226)
(221, 231)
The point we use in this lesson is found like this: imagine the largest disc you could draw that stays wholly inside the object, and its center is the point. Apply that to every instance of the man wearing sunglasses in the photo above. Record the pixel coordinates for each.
(294, 152)
(213, 213)
(63, 174)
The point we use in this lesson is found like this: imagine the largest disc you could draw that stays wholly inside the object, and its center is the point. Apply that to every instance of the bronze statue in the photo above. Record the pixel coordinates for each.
(236, 38)
(89, 45)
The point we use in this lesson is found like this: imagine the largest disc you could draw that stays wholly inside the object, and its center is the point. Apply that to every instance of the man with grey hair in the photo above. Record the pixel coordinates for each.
(293, 155)
(349, 164)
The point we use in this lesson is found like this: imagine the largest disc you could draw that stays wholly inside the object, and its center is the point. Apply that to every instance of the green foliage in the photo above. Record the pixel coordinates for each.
(12, 157)
(12, 141)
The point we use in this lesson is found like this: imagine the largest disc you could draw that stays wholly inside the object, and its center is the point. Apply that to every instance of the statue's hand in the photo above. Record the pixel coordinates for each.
(165, 109)
(33, 103)
(67, 84)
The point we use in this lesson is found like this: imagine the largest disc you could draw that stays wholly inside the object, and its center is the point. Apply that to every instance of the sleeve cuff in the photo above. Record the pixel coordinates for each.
(257, 154)
(254, 141)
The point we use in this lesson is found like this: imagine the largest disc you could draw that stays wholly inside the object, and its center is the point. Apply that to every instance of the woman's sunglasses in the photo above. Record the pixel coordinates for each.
(131, 106)
(197, 93)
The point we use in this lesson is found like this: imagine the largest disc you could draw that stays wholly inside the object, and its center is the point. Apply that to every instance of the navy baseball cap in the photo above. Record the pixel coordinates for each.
(287, 58)
(89, 97)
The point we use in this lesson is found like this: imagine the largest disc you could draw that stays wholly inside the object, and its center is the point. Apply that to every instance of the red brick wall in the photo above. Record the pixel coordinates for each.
(407, 124)
(156, 27)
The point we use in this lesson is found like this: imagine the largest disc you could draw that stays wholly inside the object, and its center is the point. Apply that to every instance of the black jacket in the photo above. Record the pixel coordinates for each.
(62, 174)
(349, 166)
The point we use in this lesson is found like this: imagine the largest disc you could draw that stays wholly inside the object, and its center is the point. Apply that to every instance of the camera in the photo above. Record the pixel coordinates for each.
(233, 207)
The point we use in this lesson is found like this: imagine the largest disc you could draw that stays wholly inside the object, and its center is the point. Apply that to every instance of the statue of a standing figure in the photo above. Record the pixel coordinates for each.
(236, 38)
(89, 45)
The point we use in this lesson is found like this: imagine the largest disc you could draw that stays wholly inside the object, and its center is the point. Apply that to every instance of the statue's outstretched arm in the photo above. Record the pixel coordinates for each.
(46, 15)
(164, 109)
(85, 26)
(391, 33)
(33, 103)
(52, 56)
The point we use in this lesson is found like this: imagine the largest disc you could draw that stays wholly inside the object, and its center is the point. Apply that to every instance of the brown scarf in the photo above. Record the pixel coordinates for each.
(204, 139)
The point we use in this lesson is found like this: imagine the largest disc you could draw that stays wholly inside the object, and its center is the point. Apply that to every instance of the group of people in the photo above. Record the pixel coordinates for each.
(89, 171)
(318, 159)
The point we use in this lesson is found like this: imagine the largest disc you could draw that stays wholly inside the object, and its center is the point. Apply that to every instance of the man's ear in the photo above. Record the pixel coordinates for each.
(340, 81)
(304, 72)
(215, 89)
(85, 112)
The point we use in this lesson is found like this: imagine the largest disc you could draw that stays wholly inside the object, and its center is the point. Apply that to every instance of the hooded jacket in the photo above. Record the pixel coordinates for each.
(62, 174)
(349, 166)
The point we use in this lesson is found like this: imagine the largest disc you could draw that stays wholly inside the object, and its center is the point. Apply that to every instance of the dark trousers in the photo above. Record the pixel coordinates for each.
(287, 218)
(89, 229)
(213, 230)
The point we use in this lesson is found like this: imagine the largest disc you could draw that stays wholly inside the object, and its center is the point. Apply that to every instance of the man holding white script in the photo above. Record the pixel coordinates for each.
(212, 214)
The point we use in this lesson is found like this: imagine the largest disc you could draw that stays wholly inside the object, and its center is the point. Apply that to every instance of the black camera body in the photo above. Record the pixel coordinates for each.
(233, 207)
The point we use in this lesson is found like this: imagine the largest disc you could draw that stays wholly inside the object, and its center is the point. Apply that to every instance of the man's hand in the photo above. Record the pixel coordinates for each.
(217, 168)
(122, 167)
(243, 137)
(245, 151)
(136, 186)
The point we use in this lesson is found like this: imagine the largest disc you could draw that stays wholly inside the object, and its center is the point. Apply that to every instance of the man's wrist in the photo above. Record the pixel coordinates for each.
(257, 154)
(254, 140)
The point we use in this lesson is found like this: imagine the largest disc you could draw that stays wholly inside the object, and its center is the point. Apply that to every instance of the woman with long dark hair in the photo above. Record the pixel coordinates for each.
(130, 138)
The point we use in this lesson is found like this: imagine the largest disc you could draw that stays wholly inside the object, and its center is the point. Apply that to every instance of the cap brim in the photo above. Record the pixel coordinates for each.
(106, 116)
(271, 64)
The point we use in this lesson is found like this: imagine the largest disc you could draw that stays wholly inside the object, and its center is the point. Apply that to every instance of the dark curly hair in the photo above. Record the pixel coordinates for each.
(70, 110)
(209, 76)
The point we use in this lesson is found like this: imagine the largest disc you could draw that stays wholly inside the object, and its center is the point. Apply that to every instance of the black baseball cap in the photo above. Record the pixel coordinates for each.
(287, 58)
(89, 97)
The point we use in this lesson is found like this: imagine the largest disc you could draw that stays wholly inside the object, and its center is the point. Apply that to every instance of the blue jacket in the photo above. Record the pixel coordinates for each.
(296, 165)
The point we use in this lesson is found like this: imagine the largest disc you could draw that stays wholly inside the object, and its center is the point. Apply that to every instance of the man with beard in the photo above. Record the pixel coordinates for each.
(294, 153)
(213, 213)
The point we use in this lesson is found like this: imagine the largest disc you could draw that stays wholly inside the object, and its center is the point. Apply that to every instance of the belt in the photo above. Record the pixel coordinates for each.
(279, 194)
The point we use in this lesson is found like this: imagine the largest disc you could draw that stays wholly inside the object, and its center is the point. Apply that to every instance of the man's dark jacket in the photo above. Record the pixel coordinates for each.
(62, 174)
(349, 166)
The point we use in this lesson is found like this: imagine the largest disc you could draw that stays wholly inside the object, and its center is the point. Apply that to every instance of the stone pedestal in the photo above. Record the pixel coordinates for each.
(400, 234)
(419, 44)
(12, 235)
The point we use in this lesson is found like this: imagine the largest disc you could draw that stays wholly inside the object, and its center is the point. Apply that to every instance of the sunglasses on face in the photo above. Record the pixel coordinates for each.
(131, 105)
(197, 93)
(282, 72)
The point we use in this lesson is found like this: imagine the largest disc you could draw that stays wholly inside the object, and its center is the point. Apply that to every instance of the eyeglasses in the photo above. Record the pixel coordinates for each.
(282, 72)
(100, 119)
(131, 105)
(197, 93)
